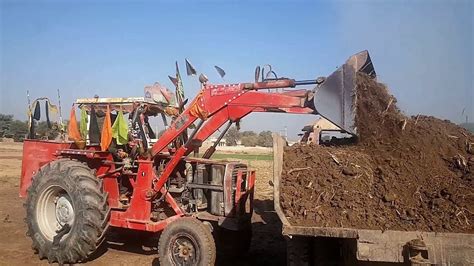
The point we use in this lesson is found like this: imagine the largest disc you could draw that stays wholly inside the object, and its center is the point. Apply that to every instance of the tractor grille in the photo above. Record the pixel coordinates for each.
(231, 186)
(235, 172)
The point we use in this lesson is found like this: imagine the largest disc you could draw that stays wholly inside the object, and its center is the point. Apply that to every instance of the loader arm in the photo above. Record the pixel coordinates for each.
(282, 103)
(217, 104)
(222, 103)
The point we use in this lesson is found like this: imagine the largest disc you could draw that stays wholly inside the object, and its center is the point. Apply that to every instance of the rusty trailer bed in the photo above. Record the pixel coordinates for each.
(377, 245)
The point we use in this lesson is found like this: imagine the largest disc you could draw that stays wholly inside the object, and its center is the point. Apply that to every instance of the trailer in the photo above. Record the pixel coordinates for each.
(352, 246)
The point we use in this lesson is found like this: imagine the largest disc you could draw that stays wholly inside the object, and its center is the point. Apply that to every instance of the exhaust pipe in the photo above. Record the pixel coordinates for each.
(334, 98)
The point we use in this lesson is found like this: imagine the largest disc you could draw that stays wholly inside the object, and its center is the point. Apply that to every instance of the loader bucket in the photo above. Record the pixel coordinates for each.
(334, 98)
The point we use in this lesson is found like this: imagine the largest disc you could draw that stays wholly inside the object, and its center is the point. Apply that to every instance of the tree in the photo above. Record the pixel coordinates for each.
(5, 121)
(249, 141)
(265, 139)
(232, 136)
(17, 130)
(248, 134)
(11, 128)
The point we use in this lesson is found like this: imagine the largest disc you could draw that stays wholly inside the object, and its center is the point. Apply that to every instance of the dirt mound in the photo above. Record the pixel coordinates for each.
(404, 173)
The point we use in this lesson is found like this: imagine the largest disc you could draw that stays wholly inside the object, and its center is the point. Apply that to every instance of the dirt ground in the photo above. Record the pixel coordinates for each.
(125, 247)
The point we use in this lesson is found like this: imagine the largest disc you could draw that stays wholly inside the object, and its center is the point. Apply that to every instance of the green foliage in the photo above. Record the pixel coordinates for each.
(249, 138)
(11, 128)
(6, 117)
(249, 141)
(5, 121)
(265, 139)
(248, 134)
(232, 136)
(16, 129)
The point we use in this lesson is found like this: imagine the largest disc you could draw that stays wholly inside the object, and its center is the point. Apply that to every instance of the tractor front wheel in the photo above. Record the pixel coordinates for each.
(186, 241)
(66, 212)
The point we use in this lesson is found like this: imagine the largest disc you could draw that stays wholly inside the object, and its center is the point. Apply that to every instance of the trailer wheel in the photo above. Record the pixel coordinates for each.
(66, 212)
(186, 241)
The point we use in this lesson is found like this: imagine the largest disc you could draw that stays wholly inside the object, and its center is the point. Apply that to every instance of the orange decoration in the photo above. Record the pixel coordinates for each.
(106, 136)
(72, 130)
(197, 109)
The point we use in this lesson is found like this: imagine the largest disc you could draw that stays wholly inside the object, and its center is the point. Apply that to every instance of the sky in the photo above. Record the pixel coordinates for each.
(423, 50)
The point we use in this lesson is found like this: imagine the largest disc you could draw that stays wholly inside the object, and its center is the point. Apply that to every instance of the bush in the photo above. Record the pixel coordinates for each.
(232, 136)
(265, 139)
(249, 141)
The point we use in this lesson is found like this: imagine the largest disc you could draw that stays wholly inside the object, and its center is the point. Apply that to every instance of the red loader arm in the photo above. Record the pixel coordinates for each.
(222, 103)
(217, 104)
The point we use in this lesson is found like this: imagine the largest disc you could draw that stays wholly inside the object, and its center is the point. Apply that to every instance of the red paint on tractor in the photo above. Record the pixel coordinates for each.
(221, 103)
(37, 153)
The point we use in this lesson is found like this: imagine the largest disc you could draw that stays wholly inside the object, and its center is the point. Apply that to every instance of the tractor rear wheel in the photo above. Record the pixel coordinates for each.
(66, 212)
(186, 241)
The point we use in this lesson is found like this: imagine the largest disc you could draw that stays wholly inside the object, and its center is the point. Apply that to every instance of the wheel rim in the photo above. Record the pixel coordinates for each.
(184, 250)
(54, 210)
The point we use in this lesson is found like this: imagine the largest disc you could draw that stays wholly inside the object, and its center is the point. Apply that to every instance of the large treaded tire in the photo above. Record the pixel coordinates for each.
(90, 212)
(194, 230)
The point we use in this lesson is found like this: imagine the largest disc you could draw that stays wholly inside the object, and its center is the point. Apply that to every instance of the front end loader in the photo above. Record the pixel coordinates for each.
(73, 189)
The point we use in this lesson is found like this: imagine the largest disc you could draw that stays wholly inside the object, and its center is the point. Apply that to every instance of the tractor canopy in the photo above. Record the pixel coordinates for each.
(127, 105)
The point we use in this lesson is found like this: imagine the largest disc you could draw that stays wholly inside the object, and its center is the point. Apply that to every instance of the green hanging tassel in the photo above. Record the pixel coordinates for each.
(83, 123)
(120, 129)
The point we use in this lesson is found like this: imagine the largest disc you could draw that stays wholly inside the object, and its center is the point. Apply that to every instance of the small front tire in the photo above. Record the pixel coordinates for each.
(186, 241)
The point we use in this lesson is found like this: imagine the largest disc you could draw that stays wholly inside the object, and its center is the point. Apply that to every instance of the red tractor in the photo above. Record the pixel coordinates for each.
(73, 189)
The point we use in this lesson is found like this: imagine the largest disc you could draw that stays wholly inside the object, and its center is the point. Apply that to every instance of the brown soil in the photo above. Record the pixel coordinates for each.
(404, 173)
